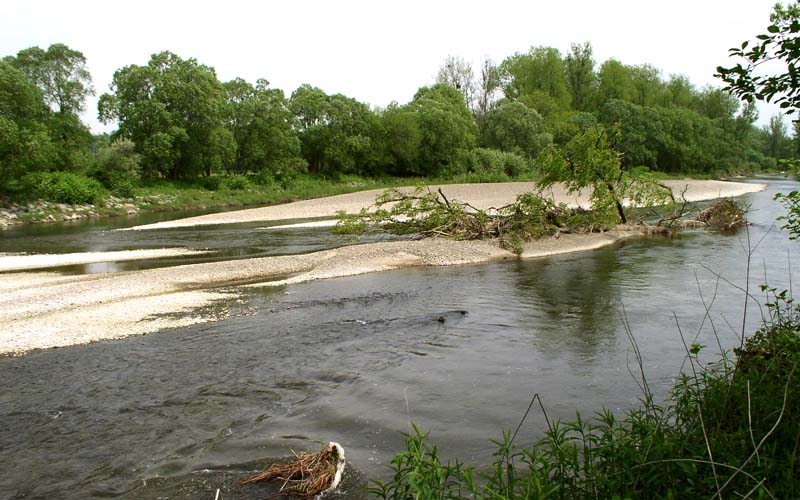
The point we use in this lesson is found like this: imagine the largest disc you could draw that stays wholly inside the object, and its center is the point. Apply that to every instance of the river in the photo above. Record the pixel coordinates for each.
(458, 350)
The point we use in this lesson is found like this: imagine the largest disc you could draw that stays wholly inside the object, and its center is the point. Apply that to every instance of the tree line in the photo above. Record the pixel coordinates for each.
(177, 120)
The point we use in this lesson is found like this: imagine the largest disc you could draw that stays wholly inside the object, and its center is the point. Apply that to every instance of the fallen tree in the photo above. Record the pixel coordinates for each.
(428, 213)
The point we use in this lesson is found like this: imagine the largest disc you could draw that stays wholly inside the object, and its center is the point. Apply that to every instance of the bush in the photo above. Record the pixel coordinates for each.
(117, 168)
(62, 187)
(498, 163)
(235, 183)
(211, 182)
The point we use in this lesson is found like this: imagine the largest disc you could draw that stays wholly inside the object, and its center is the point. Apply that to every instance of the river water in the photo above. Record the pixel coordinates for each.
(459, 351)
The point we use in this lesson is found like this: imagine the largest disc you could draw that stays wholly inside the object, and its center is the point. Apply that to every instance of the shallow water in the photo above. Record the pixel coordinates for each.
(459, 351)
(224, 241)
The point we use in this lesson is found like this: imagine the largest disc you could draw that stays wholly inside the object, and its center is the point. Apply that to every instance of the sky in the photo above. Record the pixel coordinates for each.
(377, 51)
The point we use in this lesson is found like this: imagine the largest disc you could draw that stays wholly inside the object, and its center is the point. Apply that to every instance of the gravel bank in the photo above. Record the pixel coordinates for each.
(479, 195)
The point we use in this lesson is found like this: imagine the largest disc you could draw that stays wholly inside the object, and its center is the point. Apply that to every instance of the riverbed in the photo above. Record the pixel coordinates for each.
(457, 350)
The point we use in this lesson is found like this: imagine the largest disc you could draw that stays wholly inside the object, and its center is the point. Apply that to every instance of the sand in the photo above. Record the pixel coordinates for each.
(45, 310)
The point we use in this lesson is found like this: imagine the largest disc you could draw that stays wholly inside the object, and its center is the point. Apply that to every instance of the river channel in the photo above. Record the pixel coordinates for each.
(457, 350)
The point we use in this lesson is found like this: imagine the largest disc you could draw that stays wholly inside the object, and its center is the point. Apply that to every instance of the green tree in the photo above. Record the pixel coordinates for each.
(614, 82)
(581, 78)
(589, 162)
(679, 92)
(173, 110)
(513, 127)
(639, 131)
(60, 74)
(716, 104)
(262, 127)
(775, 139)
(25, 143)
(538, 73)
(446, 126)
(339, 135)
(488, 88)
(404, 137)
(780, 48)
(647, 84)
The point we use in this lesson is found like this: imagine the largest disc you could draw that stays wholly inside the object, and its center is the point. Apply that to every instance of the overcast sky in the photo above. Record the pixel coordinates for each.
(375, 51)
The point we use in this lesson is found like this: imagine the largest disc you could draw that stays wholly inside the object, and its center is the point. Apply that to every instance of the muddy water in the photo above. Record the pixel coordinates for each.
(459, 351)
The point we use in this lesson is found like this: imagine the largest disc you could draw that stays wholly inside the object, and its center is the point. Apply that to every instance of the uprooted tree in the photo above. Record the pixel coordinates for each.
(427, 213)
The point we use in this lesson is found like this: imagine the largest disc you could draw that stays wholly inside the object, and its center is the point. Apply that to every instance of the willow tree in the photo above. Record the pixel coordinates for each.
(589, 162)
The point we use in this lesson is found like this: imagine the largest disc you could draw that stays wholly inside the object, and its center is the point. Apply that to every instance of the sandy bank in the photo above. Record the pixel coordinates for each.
(479, 195)
(38, 261)
(44, 310)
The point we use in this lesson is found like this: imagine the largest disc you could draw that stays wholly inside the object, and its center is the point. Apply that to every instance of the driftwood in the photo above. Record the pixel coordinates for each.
(724, 215)
(309, 475)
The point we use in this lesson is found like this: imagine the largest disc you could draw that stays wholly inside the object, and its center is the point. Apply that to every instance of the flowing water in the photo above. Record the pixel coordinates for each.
(459, 351)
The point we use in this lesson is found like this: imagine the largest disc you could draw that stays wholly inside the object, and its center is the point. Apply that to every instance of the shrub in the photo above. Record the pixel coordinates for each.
(62, 187)
(495, 162)
(117, 168)
(235, 183)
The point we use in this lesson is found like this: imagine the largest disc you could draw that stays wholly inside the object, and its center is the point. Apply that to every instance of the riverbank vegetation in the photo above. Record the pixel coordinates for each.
(206, 142)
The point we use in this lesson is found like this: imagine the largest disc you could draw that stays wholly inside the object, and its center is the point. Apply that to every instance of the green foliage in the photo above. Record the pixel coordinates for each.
(25, 143)
(778, 44)
(541, 72)
(59, 73)
(500, 165)
(172, 109)
(62, 187)
(588, 161)
(791, 201)
(339, 135)
(419, 473)
(446, 128)
(261, 127)
(236, 182)
(117, 167)
(511, 126)
(430, 214)
(581, 78)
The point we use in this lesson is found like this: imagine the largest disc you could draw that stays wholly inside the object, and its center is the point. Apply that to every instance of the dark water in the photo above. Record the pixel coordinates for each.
(355, 359)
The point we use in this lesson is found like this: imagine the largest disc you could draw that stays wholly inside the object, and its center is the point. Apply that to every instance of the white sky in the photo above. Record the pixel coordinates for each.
(377, 51)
